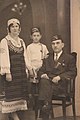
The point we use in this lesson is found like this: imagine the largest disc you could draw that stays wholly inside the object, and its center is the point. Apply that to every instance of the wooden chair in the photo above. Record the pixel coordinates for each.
(33, 89)
(69, 98)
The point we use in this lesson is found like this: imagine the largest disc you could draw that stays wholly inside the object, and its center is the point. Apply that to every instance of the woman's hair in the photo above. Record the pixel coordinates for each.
(10, 27)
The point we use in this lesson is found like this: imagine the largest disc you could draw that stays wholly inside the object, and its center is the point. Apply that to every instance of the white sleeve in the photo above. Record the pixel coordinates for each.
(45, 51)
(28, 53)
(4, 54)
(28, 65)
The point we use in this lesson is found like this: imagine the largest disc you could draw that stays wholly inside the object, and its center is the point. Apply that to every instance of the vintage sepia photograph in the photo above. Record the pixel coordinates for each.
(39, 60)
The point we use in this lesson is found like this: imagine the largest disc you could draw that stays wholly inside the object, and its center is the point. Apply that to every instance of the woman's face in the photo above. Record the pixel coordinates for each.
(15, 29)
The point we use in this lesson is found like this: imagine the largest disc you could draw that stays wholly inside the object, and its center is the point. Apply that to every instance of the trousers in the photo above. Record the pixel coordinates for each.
(47, 89)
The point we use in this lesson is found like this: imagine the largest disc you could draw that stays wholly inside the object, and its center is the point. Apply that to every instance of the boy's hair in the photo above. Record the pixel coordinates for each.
(35, 29)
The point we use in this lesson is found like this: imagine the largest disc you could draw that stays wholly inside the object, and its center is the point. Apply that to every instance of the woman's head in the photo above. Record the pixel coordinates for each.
(14, 26)
(36, 34)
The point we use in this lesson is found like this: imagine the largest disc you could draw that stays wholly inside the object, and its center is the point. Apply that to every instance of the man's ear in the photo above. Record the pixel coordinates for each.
(62, 45)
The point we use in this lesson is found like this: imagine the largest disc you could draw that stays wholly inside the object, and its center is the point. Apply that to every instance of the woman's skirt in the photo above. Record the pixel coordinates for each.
(9, 107)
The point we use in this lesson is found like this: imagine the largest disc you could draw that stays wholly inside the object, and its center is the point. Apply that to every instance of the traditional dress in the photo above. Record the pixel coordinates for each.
(13, 60)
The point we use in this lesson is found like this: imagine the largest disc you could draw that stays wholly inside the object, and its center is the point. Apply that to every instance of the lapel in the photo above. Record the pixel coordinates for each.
(62, 57)
(59, 62)
(51, 63)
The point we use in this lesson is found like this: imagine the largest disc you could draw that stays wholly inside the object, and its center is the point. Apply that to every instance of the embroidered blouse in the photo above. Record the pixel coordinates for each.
(4, 54)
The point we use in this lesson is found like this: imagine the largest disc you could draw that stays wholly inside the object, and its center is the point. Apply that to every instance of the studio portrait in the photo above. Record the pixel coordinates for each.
(39, 60)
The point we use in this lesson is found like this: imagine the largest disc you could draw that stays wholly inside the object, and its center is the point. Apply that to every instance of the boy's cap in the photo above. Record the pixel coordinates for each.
(35, 30)
(56, 37)
(13, 20)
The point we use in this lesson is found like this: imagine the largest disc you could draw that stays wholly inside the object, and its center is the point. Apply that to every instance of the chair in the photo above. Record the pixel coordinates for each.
(68, 99)
(33, 89)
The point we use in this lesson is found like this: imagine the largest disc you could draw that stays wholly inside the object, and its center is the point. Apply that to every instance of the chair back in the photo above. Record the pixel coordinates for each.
(71, 85)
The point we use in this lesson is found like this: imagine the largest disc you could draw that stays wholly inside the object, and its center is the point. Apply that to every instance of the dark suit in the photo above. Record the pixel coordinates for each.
(65, 67)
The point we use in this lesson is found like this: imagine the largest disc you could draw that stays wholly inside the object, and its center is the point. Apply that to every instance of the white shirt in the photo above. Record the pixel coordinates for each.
(36, 52)
(58, 55)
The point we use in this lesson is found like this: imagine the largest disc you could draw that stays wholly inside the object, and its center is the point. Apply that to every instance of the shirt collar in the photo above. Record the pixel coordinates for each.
(58, 54)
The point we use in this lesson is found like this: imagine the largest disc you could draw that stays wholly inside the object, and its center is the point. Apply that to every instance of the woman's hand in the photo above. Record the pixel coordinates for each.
(8, 77)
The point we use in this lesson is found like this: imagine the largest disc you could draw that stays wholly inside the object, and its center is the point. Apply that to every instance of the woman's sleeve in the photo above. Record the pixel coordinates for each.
(4, 54)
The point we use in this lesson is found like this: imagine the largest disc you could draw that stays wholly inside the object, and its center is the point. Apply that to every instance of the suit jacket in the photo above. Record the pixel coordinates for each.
(65, 67)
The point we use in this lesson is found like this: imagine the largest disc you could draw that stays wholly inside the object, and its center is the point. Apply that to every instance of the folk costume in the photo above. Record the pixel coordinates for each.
(13, 60)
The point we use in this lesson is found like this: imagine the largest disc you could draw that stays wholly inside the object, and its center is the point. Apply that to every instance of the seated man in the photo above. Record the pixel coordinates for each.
(57, 69)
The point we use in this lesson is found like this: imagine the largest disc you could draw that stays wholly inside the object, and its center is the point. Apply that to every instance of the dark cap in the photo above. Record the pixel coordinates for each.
(35, 29)
(56, 37)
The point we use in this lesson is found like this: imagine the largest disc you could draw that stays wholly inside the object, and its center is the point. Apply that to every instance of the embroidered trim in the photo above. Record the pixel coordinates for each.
(14, 48)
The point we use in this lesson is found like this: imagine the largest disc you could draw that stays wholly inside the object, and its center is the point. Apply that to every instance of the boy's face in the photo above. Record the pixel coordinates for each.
(36, 36)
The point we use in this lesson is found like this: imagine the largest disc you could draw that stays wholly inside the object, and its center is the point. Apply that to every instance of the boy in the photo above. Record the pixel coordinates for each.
(36, 51)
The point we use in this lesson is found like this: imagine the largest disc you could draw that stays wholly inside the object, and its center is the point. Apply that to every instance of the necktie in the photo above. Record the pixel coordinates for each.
(55, 60)
(56, 57)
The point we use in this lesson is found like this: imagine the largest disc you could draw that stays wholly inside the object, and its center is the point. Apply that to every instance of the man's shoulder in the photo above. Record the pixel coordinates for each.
(67, 56)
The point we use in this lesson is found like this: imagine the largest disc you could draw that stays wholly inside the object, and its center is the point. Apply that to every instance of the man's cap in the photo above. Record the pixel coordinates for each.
(56, 37)
(12, 21)
(35, 29)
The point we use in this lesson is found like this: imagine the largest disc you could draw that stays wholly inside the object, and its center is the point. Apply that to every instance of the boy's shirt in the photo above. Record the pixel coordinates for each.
(36, 53)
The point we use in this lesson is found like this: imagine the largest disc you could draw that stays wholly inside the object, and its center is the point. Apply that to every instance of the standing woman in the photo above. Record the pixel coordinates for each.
(13, 69)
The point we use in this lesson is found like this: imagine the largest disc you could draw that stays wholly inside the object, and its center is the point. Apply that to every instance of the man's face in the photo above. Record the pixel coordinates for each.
(57, 45)
(36, 36)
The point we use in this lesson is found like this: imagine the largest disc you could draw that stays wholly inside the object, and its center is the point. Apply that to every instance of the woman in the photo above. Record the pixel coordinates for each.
(14, 65)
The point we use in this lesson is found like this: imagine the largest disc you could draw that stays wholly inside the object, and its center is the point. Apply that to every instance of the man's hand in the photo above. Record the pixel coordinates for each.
(56, 79)
(45, 76)
(8, 77)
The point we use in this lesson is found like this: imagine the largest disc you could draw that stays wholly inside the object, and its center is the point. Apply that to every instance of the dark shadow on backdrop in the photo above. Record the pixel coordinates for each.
(52, 16)
(26, 18)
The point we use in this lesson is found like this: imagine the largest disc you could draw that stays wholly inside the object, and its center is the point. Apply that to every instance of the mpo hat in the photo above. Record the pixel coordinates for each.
(56, 37)
(13, 20)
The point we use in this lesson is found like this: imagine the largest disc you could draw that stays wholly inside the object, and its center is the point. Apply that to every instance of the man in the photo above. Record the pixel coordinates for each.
(57, 69)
